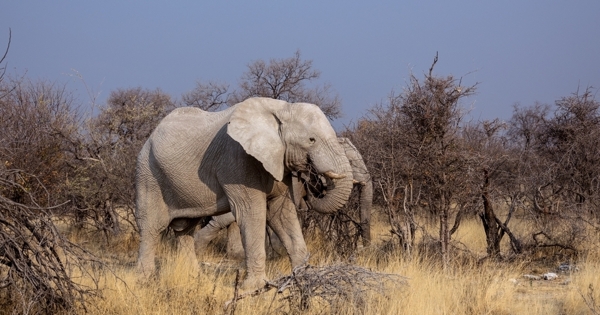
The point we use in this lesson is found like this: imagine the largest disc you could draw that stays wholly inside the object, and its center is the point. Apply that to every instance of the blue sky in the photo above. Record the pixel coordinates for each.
(518, 51)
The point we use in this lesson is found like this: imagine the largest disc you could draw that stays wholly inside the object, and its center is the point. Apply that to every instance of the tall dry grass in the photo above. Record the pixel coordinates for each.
(469, 286)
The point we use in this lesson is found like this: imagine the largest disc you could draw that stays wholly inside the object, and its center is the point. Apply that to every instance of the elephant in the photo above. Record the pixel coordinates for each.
(361, 176)
(309, 185)
(240, 160)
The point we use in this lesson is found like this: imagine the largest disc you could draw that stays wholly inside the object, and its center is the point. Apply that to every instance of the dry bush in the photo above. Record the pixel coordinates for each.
(35, 119)
(498, 175)
(210, 96)
(37, 262)
(541, 166)
(559, 169)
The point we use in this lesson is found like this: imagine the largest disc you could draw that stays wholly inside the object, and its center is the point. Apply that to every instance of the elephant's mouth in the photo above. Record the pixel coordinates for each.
(316, 184)
(326, 191)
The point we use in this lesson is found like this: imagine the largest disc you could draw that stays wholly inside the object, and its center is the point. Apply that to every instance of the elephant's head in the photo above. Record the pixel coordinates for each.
(289, 138)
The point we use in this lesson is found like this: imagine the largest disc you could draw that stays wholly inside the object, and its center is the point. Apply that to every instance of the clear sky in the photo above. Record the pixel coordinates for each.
(519, 51)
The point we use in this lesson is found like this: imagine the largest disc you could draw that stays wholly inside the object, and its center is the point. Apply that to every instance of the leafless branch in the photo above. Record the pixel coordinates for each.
(3, 69)
(435, 60)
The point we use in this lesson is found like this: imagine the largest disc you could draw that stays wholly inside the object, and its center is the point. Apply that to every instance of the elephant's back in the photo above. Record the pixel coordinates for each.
(176, 149)
(190, 117)
(183, 135)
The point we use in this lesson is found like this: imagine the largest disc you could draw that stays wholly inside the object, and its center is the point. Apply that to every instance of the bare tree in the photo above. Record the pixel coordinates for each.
(106, 155)
(382, 138)
(496, 176)
(284, 79)
(572, 141)
(433, 113)
(526, 125)
(562, 188)
(210, 96)
(414, 151)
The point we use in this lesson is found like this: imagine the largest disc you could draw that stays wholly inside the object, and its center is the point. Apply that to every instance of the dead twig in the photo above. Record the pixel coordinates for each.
(590, 300)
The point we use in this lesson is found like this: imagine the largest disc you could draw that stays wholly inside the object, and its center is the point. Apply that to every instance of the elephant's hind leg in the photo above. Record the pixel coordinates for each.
(282, 218)
(185, 248)
(205, 235)
(152, 219)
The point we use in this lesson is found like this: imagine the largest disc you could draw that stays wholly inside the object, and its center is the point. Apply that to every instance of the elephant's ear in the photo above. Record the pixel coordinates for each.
(255, 126)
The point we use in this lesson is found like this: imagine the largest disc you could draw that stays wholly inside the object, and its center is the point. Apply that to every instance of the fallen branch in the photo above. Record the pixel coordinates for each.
(330, 283)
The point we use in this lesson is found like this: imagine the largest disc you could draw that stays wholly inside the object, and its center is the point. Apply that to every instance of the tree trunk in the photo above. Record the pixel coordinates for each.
(444, 236)
(444, 206)
(489, 220)
(111, 217)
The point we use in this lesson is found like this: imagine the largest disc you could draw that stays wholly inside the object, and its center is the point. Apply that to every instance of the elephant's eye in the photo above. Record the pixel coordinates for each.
(312, 140)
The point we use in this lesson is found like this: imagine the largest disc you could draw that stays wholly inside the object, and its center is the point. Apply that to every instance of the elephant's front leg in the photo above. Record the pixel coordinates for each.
(249, 206)
(283, 219)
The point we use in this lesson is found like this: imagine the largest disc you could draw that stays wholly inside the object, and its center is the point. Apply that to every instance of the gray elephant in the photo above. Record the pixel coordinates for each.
(240, 160)
(361, 176)
(308, 186)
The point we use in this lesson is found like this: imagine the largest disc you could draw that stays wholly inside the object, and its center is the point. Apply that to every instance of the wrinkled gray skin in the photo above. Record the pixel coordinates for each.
(361, 179)
(361, 176)
(240, 160)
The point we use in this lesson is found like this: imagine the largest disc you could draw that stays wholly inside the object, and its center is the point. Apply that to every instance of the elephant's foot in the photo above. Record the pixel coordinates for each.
(253, 282)
(146, 267)
(145, 271)
(299, 259)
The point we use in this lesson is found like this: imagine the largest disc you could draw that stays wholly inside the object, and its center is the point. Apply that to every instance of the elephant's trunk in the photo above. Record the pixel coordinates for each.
(362, 179)
(366, 201)
(336, 168)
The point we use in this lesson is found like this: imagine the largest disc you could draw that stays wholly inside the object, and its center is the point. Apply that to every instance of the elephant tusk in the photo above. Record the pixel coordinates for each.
(355, 182)
(333, 175)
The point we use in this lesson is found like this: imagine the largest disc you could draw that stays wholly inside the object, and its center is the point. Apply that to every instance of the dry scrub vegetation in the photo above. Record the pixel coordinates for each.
(464, 210)
(469, 286)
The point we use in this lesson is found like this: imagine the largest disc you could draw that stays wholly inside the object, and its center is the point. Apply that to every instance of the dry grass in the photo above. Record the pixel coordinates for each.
(468, 287)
